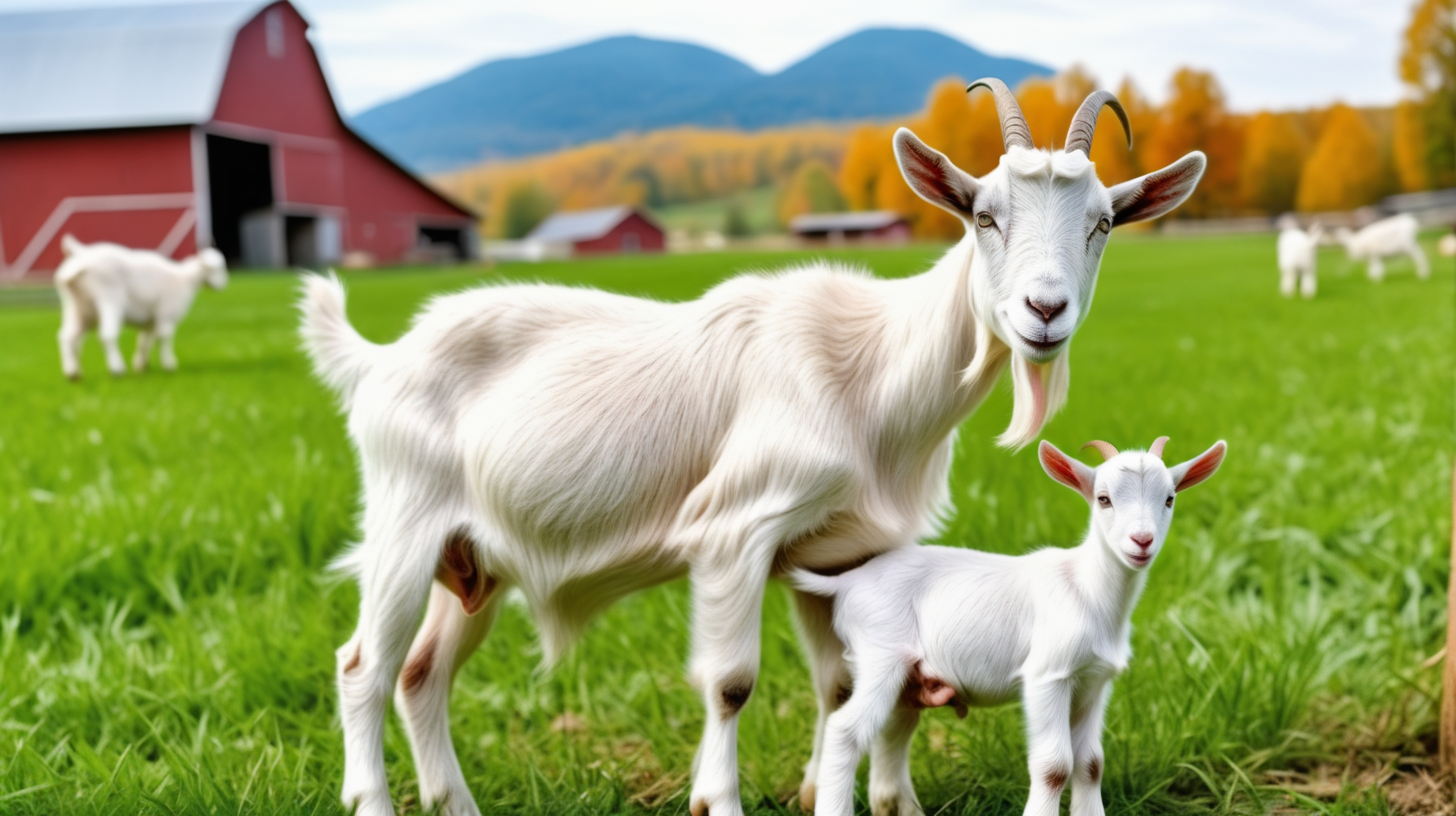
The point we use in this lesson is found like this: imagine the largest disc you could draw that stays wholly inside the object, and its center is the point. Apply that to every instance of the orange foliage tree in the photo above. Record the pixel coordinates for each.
(1344, 171)
(1428, 67)
(1194, 118)
(1275, 149)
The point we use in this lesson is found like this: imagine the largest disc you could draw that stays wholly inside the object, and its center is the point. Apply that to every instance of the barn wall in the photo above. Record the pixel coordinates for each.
(281, 96)
(649, 237)
(38, 172)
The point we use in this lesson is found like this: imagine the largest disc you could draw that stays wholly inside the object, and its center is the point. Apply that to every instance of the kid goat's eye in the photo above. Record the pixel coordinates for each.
(985, 220)
(1104, 501)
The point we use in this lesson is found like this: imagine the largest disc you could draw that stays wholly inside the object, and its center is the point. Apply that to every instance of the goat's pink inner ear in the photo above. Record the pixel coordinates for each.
(1203, 467)
(1060, 468)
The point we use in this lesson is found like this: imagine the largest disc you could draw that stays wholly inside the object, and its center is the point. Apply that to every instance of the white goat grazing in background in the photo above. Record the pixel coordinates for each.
(1383, 239)
(1298, 253)
(932, 626)
(1447, 245)
(105, 285)
(582, 445)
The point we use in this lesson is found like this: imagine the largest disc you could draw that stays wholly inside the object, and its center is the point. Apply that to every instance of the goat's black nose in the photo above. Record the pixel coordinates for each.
(1047, 311)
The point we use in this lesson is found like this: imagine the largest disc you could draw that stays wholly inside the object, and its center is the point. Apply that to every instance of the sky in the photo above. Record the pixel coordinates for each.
(1265, 53)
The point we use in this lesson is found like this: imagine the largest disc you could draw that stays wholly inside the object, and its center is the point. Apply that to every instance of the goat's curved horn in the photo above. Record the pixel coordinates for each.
(1104, 448)
(1084, 124)
(1013, 124)
(1157, 447)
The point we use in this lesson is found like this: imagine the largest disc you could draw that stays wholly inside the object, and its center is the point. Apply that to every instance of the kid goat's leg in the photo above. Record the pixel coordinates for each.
(1087, 754)
(892, 793)
(72, 330)
(108, 328)
(1048, 705)
(166, 333)
(446, 640)
(143, 350)
(401, 550)
(878, 682)
(814, 618)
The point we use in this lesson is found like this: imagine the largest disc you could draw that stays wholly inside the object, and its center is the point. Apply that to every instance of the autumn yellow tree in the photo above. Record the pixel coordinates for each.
(1275, 150)
(1344, 170)
(811, 190)
(1408, 147)
(1195, 118)
(864, 157)
(1428, 68)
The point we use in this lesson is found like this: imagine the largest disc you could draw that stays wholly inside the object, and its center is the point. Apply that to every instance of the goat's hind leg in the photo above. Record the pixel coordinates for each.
(395, 571)
(892, 793)
(814, 620)
(448, 637)
(143, 350)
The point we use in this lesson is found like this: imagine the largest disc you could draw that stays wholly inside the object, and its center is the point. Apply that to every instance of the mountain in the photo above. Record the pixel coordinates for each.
(513, 107)
(875, 73)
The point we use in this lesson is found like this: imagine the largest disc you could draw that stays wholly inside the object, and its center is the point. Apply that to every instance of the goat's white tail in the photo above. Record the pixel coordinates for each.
(341, 357)
(813, 583)
(70, 246)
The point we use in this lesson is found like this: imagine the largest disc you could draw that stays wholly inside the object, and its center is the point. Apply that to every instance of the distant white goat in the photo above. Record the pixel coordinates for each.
(105, 285)
(581, 445)
(1298, 252)
(1383, 239)
(933, 626)
(1447, 245)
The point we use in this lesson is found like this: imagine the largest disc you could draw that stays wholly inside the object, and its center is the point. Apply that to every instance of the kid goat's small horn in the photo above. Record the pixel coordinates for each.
(1104, 448)
(1014, 130)
(1084, 124)
(1157, 447)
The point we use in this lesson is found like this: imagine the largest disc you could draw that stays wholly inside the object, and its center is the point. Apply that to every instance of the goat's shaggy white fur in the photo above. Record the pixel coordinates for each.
(105, 285)
(1386, 238)
(581, 445)
(1298, 258)
(933, 626)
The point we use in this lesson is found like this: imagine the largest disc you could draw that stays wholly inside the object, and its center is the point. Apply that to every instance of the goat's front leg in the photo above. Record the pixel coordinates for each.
(72, 330)
(1423, 267)
(1048, 708)
(814, 619)
(108, 328)
(165, 333)
(728, 585)
(1087, 752)
(143, 350)
(1376, 270)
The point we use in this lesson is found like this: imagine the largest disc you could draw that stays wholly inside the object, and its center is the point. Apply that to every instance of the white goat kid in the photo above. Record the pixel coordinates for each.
(1383, 239)
(105, 285)
(933, 626)
(582, 445)
(1298, 253)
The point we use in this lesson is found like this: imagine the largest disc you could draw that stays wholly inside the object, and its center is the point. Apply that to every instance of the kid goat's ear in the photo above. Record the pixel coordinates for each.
(1198, 469)
(932, 176)
(1064, 469)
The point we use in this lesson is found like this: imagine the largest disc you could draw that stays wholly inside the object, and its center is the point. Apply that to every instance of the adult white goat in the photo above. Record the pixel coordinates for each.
(1298, 251)
(1383, 239)
(104, 285)
(933, 626)
(582, 445)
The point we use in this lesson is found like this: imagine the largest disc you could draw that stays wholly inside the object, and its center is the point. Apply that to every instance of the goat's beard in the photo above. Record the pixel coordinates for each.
(1039, 390)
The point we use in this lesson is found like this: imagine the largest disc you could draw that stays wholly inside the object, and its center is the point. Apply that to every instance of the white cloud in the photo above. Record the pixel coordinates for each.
(1266, 53)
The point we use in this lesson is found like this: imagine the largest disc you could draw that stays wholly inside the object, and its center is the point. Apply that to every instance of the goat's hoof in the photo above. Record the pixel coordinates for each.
(74, 376)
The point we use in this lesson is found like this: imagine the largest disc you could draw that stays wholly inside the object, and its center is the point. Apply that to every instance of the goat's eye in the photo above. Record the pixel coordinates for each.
(1169, 502)
(985, 220)
(1104, 226)
(1103, 501)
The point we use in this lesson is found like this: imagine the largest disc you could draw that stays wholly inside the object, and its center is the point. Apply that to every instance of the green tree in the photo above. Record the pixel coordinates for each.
(1428, 67)
(526, 206)
(735, 221)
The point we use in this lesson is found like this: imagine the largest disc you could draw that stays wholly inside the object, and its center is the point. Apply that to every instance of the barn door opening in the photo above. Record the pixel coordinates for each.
(240, 180)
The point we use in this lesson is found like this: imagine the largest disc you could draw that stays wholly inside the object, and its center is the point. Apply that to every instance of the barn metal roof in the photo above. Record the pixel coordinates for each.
(845, 221)
(579, 225)
(116, 67)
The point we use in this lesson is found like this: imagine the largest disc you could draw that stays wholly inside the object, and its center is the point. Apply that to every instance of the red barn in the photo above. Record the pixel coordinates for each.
(595, 232)
(179, 126)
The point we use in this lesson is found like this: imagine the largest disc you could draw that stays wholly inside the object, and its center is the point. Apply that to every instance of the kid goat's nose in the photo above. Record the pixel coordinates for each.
(1143, 540)
(1047, 311)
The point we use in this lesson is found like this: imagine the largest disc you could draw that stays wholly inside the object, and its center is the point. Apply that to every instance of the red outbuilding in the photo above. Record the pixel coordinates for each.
(596, 232)
(179, 126)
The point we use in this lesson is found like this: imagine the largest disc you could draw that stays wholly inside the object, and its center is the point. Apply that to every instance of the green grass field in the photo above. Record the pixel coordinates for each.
(167, 624)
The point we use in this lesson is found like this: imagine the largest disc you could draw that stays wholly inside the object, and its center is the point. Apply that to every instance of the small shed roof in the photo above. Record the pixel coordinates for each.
(581, 225)
(116, 67)
(845, 221)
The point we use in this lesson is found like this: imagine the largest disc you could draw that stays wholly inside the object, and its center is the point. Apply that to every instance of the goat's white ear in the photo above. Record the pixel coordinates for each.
(1063, 468)
(932, 176)
(1159, 192)
(1199, 468)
